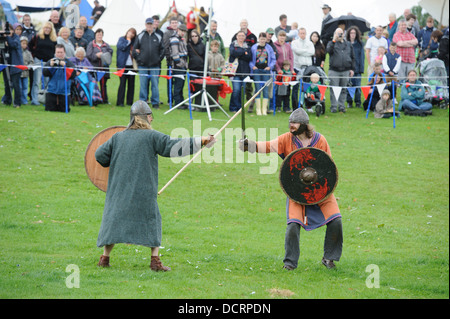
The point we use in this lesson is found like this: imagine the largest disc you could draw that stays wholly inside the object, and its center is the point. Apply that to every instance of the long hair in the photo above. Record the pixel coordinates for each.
(41, 34)
(358, 33)
(320, 51)
(132, 30)
(140, 123)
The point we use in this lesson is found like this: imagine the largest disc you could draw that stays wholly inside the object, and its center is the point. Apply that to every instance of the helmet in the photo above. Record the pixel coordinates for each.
(139, 108)
(299, 116)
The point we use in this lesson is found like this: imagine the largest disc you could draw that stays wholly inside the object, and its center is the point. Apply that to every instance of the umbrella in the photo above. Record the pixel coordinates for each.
(349, 21)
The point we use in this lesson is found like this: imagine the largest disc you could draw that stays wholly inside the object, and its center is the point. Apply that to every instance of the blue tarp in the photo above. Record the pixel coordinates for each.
(9, 13)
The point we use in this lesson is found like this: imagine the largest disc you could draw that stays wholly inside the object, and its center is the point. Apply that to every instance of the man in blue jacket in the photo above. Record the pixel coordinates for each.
(55, 98)
(149, 52)
(15, 58)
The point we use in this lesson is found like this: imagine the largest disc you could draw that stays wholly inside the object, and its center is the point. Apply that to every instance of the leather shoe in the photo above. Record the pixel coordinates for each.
(104, 261)
(328, 263)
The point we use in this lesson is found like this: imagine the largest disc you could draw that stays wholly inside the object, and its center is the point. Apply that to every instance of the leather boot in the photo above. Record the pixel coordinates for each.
(258, 106)
(265, 103)
(104, 261)
(250, 106)
(156, 264)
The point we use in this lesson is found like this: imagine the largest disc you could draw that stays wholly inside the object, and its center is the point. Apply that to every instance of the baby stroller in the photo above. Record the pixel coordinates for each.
(434, 76)
(315, 102)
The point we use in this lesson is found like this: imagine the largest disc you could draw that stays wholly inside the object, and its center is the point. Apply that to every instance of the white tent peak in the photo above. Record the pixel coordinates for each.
(118, 17)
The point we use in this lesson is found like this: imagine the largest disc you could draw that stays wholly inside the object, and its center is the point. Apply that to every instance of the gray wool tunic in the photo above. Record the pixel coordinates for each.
(131, 214)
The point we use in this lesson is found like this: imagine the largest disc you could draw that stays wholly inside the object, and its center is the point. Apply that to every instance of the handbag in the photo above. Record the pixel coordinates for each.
(230, 68)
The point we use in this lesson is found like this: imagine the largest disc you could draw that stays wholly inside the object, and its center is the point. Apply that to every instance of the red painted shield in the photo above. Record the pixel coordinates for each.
(97, 173)
(308, 176)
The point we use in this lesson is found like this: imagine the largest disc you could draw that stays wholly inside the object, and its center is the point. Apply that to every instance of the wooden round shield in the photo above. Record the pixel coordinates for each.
(97, 173)
(308, 176)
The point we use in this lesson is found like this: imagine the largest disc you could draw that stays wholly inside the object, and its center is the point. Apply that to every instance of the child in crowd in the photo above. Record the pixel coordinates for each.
(377, 77)
(293, 34)
(216, 61)
(27, 60)
(313, 102)
(384, 108)
(283, 92)
(391, 62)
(380, 54)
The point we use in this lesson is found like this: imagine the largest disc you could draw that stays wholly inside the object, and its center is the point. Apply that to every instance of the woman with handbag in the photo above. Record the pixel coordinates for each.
(240, 51)
(125, 60)
(196, 53)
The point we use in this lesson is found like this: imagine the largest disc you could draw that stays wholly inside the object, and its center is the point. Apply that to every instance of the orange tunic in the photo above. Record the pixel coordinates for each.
(319, 214)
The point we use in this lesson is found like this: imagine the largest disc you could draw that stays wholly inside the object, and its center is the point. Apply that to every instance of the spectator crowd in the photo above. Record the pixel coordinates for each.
(290, 54)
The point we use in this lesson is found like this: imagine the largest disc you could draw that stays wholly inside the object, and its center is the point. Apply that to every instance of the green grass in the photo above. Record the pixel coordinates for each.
(224, 223)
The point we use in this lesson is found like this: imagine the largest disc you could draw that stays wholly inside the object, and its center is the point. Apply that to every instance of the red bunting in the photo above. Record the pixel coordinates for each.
(167, 77)
(322, 89)
(365, 90)
(22, 67)
(69, 72)
(119, 73)
(407, 84)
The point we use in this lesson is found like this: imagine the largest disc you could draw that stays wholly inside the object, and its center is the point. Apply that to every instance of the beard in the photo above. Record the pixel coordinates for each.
(300, 130)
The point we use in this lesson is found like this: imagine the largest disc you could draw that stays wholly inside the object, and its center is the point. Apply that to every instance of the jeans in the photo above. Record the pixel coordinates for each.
(178, 85)
(15, 82)
(24, 90)
(235, 100)
(261, 76)
(152, 76)
(408, 105)
(356, 81)
(37, 85)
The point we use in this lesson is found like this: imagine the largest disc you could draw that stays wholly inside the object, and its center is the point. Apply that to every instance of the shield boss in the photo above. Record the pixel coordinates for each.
(308, 176)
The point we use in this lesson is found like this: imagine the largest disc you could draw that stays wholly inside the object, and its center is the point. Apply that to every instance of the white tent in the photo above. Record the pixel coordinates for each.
(119, 16)
(438, 9)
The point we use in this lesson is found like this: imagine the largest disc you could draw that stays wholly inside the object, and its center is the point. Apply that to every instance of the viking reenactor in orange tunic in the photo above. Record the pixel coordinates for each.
(301, 134)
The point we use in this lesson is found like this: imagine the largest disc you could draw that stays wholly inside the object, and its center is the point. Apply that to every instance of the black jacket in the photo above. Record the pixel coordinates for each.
(342, 57)
(151, 49)
(196, 54)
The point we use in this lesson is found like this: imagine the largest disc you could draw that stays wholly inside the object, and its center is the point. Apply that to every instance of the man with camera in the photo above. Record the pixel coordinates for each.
(11, 53)
(342, 66)
(55, 98)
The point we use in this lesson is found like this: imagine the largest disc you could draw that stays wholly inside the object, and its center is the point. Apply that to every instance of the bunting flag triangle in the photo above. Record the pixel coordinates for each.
(337, 91)
(2, 66)
(306, 86)
(21, 67)
(119, 73)
(380, 87)
(351, 91)
(168, 77)
(365, 90)
(69, 72)
(322, 89)
(100, 74)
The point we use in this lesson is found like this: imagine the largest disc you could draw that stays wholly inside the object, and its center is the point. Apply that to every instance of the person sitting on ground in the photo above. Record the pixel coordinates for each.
(384, 108)
(412, 94)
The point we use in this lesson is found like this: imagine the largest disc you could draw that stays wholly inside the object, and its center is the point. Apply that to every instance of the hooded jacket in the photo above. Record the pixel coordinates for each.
(383, 106)
(303, 51)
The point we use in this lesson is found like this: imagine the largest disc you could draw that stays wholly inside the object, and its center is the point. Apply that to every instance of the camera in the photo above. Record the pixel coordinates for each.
(56, 61)
(3, 34)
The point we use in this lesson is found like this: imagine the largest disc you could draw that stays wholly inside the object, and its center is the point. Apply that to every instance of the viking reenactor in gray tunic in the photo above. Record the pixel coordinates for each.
(131, 214)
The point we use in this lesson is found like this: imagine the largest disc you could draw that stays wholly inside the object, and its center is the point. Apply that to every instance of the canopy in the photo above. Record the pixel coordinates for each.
(438, 9)
(118, 17)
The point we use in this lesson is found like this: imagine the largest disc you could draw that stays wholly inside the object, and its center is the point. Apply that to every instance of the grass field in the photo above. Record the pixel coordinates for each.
(224, 222)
